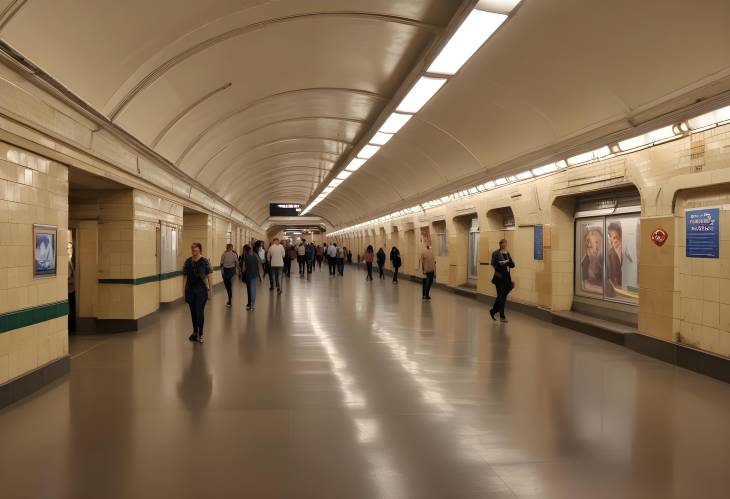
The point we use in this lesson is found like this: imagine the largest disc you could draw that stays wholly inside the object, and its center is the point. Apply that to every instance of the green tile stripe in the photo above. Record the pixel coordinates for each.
(143, 280)
(33, 315)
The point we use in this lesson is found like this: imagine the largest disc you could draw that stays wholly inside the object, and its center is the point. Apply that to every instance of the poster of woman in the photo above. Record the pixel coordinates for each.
(622, 263)
(590, 247)
(44, 250)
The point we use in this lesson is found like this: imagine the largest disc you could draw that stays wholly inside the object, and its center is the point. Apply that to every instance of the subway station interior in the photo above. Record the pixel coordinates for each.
(571, 157)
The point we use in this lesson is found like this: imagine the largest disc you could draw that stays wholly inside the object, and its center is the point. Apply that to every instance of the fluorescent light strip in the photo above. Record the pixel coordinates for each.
(471, 35)
(395, 122)
(380, 138)
(343, 175)
(368, 152)
(422, 92)
(355, 164)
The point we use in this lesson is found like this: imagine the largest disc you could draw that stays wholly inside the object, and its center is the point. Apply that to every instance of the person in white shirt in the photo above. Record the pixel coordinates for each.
(276, 261)
(301, 260)
(229, 265)
(332, 258)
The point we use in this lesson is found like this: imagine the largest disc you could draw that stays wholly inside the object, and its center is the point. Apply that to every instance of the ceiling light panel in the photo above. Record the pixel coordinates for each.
(368, 151)
(355, 164)
(343, 175)
(395, 122)
(380, 138)
(420, 94)
(471, 35)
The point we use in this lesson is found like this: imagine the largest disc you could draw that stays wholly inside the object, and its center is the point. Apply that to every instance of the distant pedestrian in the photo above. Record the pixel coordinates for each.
(502, 263)
(380, 257)
(332, 258)
(302, 257)
(428, 267)
(349, 257)
(198, 287)
(276, 259)
(291, 255)
(341, 252)
(319, 254)
(309, 256)
(395, 261)
(250, 271)
(229, 265)
(368, 258)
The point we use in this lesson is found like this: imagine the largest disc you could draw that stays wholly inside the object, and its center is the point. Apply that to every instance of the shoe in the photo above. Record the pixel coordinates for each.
(278, 291)
(248, 307)
(200, 338)
(503, 319)
(271, 288)
(193, 337)
(491, 314)
(428, 297)
(252, 308)
(229, 305)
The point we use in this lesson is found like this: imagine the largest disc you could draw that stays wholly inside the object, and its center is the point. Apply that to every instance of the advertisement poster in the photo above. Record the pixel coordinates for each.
(538, 245)
(703, 233)
(425, 236)
(589, 242)
(622, 259)
(44, 251)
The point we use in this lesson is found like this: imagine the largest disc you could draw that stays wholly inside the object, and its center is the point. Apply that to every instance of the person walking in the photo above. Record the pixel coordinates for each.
(395, 261)
(276, 257)
(229, 265)
(428, 267)
(380, 257)
(251, 275)
(261, 253)
(198, 287)
(309, 256)
(319, 254)
(368, 257)
(332, 258)
(302, 257)
(341, 253)
(291, 255)
(502, 263)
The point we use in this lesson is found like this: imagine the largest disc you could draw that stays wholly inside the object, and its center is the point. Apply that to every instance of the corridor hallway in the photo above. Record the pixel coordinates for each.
(346, 389)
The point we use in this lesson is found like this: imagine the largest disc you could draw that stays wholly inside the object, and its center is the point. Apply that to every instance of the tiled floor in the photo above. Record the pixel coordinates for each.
(346, 389)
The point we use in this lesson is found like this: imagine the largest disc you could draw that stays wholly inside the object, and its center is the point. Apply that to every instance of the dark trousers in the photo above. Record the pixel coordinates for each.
(341, 266)
(369, 266)
(503, 289)
(287, 266)
(319, 262)
(302, 261)
(310, 266)
(228, 275)
(196, 298)
(332, 262)
(395, 274)
(72, 312)
(427, 283)
(381, 269)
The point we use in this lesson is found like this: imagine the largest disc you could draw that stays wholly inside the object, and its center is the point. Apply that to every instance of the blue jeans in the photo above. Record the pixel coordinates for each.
(251, 290)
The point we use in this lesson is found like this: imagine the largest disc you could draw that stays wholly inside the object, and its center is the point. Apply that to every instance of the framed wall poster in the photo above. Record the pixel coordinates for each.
(589, 254)
(44, 250)
(702, 228)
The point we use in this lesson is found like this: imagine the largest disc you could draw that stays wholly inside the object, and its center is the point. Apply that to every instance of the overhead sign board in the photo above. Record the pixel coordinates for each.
(284, 209)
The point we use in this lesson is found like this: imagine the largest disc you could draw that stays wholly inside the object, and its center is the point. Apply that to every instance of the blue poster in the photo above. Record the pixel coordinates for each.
(537, 251)
(703, 233)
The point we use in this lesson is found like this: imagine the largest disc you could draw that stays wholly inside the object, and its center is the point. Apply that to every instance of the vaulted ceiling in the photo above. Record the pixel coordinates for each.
(261, 99)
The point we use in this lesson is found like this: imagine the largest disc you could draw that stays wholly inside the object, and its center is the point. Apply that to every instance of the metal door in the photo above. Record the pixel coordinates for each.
(473, 250)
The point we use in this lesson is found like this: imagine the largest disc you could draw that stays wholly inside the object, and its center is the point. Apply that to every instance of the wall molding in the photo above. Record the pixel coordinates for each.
(137, 281)
(30, 316)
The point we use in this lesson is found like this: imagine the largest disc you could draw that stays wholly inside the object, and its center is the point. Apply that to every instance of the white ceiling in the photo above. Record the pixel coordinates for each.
(309, 77)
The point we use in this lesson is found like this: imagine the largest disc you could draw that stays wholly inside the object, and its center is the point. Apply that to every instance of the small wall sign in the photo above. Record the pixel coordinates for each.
(703, 233)
(537, 251)
(659, 236)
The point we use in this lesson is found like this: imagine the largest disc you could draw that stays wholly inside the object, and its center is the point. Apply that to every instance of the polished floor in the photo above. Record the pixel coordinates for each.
(346, 389)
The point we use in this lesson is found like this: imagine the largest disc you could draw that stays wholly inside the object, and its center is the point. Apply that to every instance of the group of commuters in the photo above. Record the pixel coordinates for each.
(277, 261)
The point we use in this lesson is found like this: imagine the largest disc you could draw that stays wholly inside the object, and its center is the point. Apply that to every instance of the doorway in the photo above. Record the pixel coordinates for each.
(473, 253)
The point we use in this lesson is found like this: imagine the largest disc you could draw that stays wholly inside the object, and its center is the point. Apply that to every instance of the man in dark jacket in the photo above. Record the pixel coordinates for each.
(502, 263)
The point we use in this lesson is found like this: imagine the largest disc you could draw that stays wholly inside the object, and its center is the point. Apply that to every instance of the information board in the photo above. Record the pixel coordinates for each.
(539, 243)
(703, 233)
(284, 209)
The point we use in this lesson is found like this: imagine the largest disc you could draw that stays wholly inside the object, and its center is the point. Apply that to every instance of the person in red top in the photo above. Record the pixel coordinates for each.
(368, 257)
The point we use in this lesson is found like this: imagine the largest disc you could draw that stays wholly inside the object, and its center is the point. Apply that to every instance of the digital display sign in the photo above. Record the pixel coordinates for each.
(284, 209)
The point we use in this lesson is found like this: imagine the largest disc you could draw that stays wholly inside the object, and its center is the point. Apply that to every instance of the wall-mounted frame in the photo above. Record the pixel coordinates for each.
(45, 254)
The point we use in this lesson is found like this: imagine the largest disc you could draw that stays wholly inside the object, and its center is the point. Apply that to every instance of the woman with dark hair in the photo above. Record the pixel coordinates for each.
(368, 258)
(395, 261)
(614, 259)
(250, 270)
(380, 257)
(198, 288)
(591, 265)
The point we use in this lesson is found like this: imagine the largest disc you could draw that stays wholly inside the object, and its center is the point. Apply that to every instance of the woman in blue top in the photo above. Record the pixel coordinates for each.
(198, 288)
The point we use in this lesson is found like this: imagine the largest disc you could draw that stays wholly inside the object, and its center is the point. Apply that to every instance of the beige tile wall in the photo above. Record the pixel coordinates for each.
(33, 190)
(679, 299)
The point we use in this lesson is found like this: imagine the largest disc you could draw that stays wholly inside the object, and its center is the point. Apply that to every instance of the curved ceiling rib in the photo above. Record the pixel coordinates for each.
(233, 181)
(158, 72)
(185, 111)
(252, 179)
(262, 100)
(262, 145)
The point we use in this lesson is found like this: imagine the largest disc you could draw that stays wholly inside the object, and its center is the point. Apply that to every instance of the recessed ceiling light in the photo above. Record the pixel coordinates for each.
(355, 164)
(420, 94)
(380, 138)
(368, 151)
(395, 122)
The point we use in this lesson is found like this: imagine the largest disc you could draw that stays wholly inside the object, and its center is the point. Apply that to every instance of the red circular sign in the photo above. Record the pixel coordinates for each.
(659, 236)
